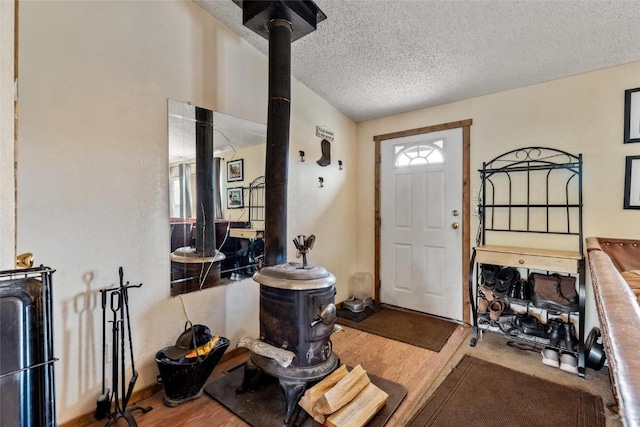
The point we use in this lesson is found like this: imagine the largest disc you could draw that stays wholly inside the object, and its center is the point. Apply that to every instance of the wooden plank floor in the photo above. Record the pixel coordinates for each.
(203, 411)
(413, 367)
(419, 370)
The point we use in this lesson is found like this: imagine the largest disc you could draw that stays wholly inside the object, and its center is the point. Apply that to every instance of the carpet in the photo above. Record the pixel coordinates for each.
(266, 407)
(405, 326)
(481, 393)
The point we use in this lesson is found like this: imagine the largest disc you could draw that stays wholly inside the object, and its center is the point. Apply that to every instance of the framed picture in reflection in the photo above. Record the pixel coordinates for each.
(235, 170)
(234, 198)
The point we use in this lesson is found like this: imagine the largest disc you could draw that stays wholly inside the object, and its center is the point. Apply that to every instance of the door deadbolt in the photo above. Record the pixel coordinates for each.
(455, 225)
(455, 212)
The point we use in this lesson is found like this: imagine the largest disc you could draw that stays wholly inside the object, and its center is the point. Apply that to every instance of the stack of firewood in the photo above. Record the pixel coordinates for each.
(344, 399)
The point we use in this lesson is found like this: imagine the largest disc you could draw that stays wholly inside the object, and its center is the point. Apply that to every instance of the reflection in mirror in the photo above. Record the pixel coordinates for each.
(216, 197)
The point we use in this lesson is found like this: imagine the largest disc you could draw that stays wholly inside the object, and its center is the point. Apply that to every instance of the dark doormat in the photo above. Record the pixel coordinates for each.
(406, 326)
(266, 407)
(480, 393)
(345, 313)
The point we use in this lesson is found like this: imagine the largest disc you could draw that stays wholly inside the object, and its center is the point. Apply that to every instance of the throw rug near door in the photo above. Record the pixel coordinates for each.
(405, 326)
(479, 393)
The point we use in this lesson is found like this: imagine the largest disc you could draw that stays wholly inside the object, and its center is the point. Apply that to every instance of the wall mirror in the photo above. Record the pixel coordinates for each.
(216, 196)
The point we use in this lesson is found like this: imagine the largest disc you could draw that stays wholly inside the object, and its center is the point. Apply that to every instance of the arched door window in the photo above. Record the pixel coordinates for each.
(420, 153)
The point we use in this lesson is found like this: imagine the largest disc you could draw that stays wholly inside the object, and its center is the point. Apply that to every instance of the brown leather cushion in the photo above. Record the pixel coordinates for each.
(624, 253)
(633, 280)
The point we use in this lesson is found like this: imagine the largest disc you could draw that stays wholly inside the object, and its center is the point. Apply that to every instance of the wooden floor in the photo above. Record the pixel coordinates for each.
(417, 369)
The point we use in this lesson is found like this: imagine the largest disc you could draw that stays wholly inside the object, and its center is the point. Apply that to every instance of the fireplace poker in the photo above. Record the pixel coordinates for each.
(103, 403)
(115, 307)
(134, 375)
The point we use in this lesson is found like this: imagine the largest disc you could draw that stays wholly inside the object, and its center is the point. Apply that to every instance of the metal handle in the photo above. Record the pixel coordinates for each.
(24, 260)
(327, 316)
(455, 225)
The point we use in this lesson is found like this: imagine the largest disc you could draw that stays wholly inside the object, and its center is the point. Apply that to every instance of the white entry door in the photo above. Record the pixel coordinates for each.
(421, 222)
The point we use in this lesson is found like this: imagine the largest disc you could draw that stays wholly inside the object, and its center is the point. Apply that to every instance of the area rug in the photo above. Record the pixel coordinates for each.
(345, 313)
(406, 326)
(266, 407)
(479, 393)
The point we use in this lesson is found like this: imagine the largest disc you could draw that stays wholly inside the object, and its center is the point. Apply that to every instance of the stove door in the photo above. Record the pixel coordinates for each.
(322, 313)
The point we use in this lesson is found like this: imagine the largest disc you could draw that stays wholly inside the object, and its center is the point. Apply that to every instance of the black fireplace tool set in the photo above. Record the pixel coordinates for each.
(114, 405)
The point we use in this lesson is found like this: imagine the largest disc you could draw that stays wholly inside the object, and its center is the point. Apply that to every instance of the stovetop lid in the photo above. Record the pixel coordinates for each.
(294, 270)
(292, 275)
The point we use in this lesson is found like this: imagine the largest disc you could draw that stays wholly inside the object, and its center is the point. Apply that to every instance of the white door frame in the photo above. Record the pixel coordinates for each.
(466, 236)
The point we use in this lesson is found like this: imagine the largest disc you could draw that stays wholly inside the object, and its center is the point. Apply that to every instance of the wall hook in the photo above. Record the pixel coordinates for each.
(321, 180)
(339, 164)
(301, 153)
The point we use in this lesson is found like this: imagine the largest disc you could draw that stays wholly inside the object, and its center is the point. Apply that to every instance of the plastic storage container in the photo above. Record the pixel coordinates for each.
(361, 286)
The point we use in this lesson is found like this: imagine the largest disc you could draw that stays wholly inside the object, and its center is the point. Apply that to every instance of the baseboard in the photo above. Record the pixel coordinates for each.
(144, 393)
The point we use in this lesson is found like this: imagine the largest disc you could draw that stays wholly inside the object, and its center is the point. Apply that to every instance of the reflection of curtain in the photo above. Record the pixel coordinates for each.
(217, 181)
(185, 190)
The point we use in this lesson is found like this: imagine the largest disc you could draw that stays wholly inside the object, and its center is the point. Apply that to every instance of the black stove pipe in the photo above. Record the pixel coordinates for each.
(205, 184)
(281, 22)
(277, 157)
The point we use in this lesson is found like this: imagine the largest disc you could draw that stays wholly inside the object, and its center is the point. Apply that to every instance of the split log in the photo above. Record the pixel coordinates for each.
(312, 395)
(360, 410)
(344, 391)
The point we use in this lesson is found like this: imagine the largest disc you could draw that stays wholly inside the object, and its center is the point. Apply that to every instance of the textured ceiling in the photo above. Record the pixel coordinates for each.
(376, 58)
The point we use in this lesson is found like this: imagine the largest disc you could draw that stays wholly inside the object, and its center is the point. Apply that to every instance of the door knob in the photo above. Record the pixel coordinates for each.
(455, 225)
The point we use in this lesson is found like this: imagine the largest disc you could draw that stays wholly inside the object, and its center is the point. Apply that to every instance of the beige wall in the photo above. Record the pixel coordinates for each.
(93, 176)
(580, 114)
(7, 142)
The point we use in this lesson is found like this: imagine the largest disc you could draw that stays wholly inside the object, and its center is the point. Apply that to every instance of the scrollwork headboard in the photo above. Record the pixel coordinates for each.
(256, 200)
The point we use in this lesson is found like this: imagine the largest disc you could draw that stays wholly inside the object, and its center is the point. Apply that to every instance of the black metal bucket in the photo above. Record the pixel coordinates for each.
(184, 379)
(594, 351)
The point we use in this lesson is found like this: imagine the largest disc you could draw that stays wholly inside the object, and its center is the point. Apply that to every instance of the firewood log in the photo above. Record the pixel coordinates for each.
(360, 410)
(344, 391)
(311, 396)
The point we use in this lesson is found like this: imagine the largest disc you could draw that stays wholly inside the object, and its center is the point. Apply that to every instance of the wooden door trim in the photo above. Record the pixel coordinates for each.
(466, 202)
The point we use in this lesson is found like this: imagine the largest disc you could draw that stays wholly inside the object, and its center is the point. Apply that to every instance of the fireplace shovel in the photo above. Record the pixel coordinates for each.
(103, 404)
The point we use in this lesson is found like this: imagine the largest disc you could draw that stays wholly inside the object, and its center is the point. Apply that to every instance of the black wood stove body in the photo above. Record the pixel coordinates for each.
(297, 318)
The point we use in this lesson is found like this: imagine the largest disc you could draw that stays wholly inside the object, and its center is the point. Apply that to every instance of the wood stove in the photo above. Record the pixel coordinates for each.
(297, 318)
(297, 310)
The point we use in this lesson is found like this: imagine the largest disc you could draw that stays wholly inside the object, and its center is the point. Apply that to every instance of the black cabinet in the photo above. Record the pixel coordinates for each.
(26, 348)
(530, 225)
